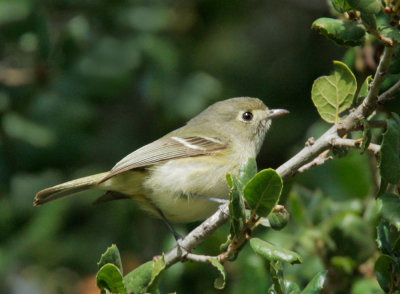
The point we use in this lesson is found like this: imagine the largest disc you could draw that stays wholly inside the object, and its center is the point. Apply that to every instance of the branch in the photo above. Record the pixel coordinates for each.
(313, 149)
(369, 103)
(319, 160)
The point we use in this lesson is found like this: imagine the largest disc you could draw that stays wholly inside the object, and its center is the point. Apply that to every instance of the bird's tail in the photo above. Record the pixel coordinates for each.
(68, 188)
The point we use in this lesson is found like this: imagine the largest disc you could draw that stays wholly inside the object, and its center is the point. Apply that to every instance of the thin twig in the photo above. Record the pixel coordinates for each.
(350, 143)
(319, 160)
(390, 93)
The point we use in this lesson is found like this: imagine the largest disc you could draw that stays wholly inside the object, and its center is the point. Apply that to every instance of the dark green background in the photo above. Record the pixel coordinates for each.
(83, 83)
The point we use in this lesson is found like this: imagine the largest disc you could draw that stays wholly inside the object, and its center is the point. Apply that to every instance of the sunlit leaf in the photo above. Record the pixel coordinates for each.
(109, 277)
(219, 282)
(263, 191)
(334, 94)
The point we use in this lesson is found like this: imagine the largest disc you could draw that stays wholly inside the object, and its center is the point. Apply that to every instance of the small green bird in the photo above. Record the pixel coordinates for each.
(176, 176)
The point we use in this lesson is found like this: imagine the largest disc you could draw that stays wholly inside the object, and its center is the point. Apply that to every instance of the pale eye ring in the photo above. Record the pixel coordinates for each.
(247, 116)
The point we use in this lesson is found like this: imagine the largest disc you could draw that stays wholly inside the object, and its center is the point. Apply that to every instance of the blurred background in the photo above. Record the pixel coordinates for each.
(83, 83)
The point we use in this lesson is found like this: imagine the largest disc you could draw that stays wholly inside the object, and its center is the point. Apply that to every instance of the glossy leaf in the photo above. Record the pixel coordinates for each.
(263, 191)
(390, 151)
(334, 94)
(391, 209)
(366, 6)
(383, 270)
(274, 253)
(316, 284)
(109, 277)
(111, 256)
(219, 282)
(342, 32)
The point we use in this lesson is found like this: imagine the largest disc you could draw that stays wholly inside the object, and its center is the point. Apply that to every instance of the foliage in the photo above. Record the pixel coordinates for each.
(84, 83)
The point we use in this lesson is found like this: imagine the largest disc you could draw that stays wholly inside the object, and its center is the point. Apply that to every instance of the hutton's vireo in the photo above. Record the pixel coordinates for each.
(166, 176)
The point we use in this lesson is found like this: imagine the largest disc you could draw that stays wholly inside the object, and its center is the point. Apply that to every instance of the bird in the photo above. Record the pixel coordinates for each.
(181, 177)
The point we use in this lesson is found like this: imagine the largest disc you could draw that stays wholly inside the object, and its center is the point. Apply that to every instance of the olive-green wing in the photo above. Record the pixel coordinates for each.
(167, 148)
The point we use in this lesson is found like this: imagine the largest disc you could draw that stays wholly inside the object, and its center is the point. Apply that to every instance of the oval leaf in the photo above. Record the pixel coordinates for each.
(263, 191)
(109, 277)
(389, 165)
(111, 256)
(342, 32)
(334, 94)
(137, 281)
(274, 253)
(219, 282)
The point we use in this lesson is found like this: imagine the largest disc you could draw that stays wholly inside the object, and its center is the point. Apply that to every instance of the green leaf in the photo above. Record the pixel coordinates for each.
(247, 172)
(316, 284)
(390, 151)
(366, 6)
(334, 94)
(263, 191)
(383, 269)
(391, 209)
(389, 32)
(109, 277)
(111, 256)
(342, 32)
(365, 87)
(276, 277)
(219, 282)
(340, 5)
(236, 207)
(145, 278)
(383, 237)
(369, 19)
(158, 268)
(274, 253)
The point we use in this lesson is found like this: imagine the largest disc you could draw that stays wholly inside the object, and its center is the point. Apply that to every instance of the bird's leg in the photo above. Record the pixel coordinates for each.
(177, 237)
(213, 199)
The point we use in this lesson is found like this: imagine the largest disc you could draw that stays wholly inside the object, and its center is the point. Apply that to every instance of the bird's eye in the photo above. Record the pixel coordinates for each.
(247, 116)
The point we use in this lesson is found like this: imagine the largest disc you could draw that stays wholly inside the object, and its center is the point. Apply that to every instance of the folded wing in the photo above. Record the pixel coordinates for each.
(166, 149)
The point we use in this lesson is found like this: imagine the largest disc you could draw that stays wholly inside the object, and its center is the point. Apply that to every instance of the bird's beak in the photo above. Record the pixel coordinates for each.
(277, 112)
